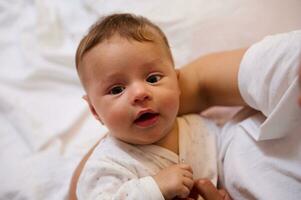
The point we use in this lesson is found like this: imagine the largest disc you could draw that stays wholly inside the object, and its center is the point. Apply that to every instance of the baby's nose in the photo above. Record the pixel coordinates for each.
(141, 94)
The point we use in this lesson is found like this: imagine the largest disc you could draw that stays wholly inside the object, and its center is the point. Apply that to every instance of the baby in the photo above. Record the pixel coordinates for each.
(127, 70)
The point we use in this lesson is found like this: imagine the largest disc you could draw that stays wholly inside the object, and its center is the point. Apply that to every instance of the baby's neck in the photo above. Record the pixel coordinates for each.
(170, 141)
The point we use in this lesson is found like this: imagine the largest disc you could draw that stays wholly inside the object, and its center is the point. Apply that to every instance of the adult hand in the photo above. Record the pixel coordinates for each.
(208, 191)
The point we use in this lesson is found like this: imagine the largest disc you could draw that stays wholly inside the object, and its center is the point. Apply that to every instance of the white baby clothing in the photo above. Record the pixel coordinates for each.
(117, 170)
(261, 151)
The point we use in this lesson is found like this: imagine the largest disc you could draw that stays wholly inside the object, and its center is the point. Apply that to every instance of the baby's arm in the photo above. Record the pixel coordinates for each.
(106, 179)
(175, 181)
(211, 80)
(78, 171)
(110, 180)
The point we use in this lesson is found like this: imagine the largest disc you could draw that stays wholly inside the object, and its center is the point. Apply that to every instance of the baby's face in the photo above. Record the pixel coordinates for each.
(132, 87)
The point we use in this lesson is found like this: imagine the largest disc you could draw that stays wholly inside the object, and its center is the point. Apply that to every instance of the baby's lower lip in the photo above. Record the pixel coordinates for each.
(147, 122)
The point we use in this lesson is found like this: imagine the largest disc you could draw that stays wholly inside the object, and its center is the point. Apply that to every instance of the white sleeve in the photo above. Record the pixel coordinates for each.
(106, 180)
(268, 82)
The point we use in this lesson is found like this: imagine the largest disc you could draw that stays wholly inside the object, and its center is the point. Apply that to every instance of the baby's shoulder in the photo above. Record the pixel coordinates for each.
(112, 154)
(110, 146)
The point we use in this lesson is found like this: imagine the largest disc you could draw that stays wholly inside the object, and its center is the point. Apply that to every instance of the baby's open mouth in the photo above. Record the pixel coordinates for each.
(146, 119)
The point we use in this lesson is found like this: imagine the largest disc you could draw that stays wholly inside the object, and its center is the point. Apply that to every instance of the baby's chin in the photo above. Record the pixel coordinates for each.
(140, 142)
(148, 142)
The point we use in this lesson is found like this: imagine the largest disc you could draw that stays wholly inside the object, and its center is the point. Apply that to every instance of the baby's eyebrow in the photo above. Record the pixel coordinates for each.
(151, 63)
(113, 76)
(109, 80)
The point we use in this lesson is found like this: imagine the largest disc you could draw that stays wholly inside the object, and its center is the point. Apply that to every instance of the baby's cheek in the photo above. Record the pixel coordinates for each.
(171, 102)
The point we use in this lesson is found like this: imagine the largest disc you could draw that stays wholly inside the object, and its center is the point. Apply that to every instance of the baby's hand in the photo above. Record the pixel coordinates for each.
(175, 181)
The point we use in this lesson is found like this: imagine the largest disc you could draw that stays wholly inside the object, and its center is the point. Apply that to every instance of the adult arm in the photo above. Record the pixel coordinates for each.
(77, 172)
(211, 80)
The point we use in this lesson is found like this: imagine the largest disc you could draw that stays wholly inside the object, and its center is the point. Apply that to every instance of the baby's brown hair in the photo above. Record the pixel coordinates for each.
(127, 25)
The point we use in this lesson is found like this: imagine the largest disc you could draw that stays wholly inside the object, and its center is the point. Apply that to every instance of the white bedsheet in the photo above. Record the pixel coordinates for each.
(45, 126)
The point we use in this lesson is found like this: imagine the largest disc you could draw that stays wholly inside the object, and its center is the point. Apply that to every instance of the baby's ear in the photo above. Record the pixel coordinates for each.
(92, 109)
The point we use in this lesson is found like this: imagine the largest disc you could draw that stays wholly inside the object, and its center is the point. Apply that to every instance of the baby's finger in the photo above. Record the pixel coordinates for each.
(184, 192)
(187, 174)
(188, 182)
(186, 167)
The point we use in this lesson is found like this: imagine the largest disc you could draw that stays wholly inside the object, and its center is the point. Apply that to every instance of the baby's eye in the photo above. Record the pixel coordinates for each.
(116, 90)
(153, 78)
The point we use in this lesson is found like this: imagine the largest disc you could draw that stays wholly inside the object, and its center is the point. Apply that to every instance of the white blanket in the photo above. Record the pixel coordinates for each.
(45, 126)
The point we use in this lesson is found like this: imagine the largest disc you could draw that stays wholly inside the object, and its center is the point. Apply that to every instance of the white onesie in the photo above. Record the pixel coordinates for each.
(117, 170)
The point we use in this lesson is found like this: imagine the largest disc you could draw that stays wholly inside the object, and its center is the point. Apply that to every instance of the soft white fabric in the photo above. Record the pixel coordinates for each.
(40, 92)
(261, 151)
(117, 170)
(42, 115)
(197, 146)
(268, 82)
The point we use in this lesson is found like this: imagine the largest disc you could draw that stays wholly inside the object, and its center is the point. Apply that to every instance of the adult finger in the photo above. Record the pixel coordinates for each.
(224, 194)
(207, 190)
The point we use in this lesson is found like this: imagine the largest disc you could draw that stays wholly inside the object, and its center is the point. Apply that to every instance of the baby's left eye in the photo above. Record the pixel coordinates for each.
(153, 78)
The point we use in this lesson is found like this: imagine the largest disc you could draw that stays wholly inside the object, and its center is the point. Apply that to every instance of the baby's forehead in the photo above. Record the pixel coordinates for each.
(101, 50)
(109, 48)
(146, 34)
(151, 36)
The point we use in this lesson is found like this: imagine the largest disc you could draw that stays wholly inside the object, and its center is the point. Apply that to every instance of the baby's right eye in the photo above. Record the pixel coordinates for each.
(116, 90)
